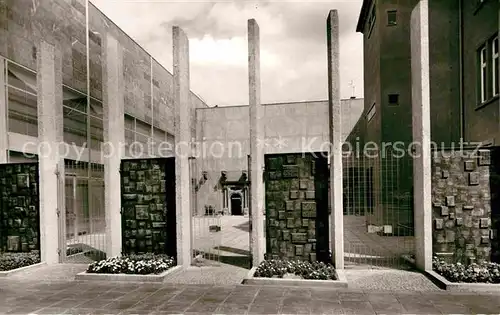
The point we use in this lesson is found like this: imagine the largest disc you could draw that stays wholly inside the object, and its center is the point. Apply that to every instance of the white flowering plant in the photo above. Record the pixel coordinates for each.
(133, 264)
(482, 272)
(11, 260)
(275, 268)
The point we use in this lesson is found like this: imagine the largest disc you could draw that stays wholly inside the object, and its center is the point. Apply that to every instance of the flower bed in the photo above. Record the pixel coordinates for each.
(302, 269)
(485, 272)
(147, 264)
(296, 273)
(11, 261)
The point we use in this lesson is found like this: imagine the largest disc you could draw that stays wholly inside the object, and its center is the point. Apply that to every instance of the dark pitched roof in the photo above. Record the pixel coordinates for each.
(363, 15)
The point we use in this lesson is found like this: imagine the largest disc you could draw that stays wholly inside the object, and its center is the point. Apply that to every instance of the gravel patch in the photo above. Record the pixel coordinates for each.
(389, 280)
(215, 275)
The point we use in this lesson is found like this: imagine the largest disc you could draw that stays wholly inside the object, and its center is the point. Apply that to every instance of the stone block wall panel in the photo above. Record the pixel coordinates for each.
(297, 206)
(19, 208)
(491, 158)
(148, 206)
(465, 210)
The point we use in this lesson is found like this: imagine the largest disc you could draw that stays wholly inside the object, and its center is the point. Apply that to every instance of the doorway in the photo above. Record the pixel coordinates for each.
(236, 206)
(82, 224)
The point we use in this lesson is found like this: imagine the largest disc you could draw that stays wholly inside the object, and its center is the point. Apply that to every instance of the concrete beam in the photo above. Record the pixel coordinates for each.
(182, 144)
(420, 92)
(50, 134)
(4, 144)
(114, 137)
(256, 151)
(335, 127)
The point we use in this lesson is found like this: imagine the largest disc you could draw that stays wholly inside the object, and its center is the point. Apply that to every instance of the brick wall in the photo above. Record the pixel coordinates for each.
(148, 206)
(465, 218)
(297, 207)
(19, 208)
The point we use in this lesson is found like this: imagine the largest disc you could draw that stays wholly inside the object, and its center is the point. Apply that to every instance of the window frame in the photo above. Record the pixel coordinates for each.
(494, 67)
(483, 73)
(12, 92)
(388, 12)
(488, 75)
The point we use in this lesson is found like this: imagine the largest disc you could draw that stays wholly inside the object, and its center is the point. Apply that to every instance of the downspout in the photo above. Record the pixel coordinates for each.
(461, 68)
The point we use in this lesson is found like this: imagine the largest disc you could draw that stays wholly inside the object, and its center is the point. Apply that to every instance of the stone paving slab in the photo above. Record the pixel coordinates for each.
(74, 297)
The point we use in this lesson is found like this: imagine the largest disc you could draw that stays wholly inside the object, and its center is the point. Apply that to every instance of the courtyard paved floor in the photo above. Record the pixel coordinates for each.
(217, 290)
(361, 248)
(72, 297)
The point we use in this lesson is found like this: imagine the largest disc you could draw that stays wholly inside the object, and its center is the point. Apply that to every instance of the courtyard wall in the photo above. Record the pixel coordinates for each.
(465, 197)
(288, 127)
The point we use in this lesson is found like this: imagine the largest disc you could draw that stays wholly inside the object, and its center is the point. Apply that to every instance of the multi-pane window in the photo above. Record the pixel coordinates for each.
(488, 76)
(80, 119)
(483, 73)
(21, 89)
(494, 68)
(139, 138)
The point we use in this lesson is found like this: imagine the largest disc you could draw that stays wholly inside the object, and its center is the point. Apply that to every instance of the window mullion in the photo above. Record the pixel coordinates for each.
(494, 66)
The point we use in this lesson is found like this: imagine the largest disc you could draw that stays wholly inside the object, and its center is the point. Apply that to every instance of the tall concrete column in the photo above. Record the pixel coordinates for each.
(4, 145)
(50, 134)
(335, 127)
(182, 146)
(420, 92)
(256, 150)
(114, 138)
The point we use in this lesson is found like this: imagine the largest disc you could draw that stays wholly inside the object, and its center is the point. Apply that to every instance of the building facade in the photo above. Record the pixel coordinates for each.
(463, 54)
(463, 51)
(78, 32)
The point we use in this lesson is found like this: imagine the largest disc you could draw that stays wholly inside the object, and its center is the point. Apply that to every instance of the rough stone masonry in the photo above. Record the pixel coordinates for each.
(145, 218)
(296, 207)
(465, 216)
(19, 211)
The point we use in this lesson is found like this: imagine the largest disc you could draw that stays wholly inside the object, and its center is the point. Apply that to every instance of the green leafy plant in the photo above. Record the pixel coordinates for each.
(304, 269)
(133, 264)
(483, 272)
(10, 261)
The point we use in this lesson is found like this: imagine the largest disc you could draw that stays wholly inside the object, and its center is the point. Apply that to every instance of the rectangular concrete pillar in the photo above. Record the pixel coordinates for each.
(420, 92)
(50, 134)
(256, 150)
(4, 145)
(114, 138)
(3, 113)
(182, 145)
(335, 127)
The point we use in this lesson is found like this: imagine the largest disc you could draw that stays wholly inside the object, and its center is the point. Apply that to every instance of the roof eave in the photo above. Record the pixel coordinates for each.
(362, 15)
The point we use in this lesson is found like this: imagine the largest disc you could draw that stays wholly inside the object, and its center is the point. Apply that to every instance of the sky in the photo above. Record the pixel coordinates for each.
(292, 42)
